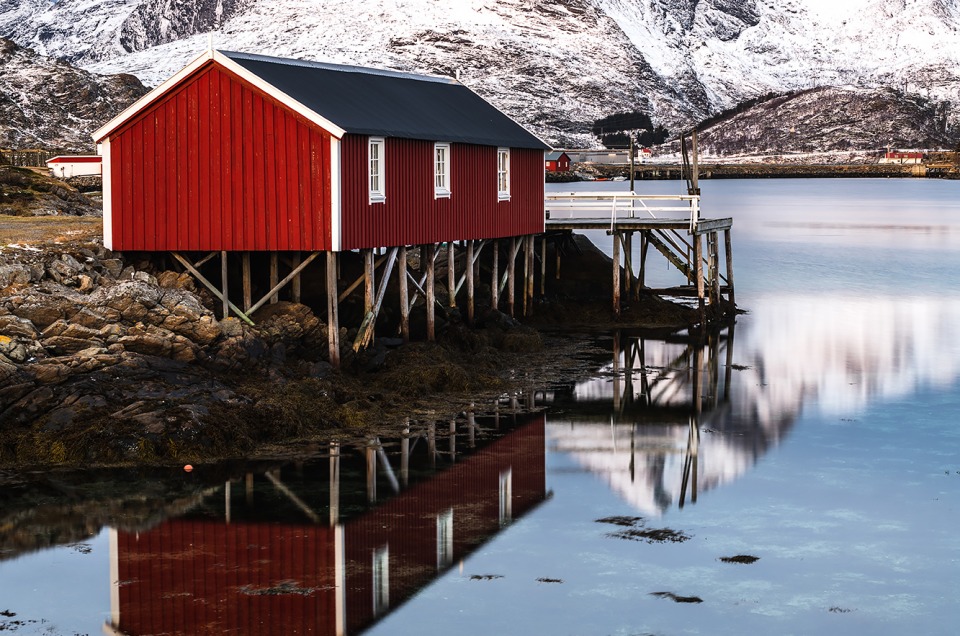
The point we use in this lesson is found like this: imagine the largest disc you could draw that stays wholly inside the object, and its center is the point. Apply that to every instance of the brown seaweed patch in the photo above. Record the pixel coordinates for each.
(283, 588)
(621, 520)
(544, 579)
(651, 535)
(485, 577)
(677, 599)
(839, 610)
(745, 559)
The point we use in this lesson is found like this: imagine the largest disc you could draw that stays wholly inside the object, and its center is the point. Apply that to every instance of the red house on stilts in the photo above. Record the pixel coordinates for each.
(241, 153)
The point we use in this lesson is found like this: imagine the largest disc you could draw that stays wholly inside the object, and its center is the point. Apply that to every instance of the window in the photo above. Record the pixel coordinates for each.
(445, 539)
(381, 580)
(503, 174)
(376, 170)
(441, 170)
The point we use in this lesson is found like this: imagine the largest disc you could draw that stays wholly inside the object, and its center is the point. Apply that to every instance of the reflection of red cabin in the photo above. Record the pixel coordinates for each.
(557, 161)
(201, 576)
(246, 152)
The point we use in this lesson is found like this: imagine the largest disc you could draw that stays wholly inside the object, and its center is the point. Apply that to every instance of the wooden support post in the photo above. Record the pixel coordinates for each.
(628, 263)
(451, 275)
(274, 276)
(349, 290)
(368, 280)
(557, 248)
(728, 253)
(698, 261)
(333, 322)
(213, 288)
(713, 260)
(276, 288)
(616, 274)
(247, 287)
(543, 266)
(495, 278)
(471, 266)
(365, 333)
(531, 270)
(404, 297)
(511, 273)
(641, 279)
(296, 288)
(431, 251)
(223, 281)
(527, 274)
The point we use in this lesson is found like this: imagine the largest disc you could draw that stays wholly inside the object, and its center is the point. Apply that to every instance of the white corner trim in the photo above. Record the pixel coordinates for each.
(335, 198)
(107, 186)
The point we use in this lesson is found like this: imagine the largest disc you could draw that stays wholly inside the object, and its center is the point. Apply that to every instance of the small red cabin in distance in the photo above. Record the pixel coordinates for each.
(557, 161)
(241, 152)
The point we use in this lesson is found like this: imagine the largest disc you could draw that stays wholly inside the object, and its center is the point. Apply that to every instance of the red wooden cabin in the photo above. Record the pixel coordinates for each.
(241, 152)
(557, 161)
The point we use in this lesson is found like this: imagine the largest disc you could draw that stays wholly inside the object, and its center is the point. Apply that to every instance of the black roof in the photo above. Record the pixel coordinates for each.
(382, 103)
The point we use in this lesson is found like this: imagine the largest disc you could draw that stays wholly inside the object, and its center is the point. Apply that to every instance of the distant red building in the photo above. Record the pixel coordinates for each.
(902, 157)
(241, 152)
(557, 161)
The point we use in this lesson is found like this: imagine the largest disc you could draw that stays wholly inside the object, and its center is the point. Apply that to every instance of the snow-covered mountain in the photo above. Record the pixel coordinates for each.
(556, 65)
(48, 103)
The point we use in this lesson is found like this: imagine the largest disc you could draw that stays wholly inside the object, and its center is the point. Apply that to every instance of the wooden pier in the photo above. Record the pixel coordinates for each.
(672, 225)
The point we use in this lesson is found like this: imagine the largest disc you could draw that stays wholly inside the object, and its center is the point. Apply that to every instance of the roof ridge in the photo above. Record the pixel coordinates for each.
(345, 68)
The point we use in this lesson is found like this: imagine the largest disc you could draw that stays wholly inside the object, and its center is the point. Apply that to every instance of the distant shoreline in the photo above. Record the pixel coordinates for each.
(646, 172)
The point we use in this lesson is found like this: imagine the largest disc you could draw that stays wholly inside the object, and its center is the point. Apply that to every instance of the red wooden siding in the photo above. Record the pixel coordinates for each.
(218, 165)
(203, 577)
(411, 215)
(408, 522)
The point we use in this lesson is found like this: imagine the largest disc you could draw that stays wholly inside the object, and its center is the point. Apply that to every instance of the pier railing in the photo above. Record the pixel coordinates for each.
(625, 205)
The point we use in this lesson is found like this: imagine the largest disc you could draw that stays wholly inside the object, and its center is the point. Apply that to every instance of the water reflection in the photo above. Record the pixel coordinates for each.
(664, 422)
(330, 546)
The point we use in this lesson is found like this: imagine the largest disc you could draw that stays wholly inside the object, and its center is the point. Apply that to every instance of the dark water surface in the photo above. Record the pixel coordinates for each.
(820, 438)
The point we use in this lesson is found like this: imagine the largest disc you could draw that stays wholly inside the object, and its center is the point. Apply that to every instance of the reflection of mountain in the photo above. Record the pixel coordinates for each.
(666, 423)
(343, 564)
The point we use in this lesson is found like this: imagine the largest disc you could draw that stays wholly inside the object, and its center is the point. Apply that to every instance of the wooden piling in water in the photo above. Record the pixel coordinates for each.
(728, 254)
(333, 322)
(698, 268)
(495, 277)
(451, 275)
(431, 251)
(616, 275)
(404, 297)
(511, 273)
(471, 266)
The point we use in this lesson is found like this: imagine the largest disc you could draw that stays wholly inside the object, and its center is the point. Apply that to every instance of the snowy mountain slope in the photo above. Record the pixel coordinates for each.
(46, 102)
(556, 65)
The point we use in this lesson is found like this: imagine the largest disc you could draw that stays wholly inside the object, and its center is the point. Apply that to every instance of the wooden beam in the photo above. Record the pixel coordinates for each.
(216, 292)
(369, 281)
(223, 281)
(430, 298)
(359, 281)
(276, 288)
(451, 275)
(471, 265)
(616, 274)
(511, 274)
(296, 295)
(404, 297)
(247, 287)
(203, 261)
(274, 275)
(642, 277)
(628, 263)
(495, 277)
(728, 253)
(543, 266)
(365, 334)
(333, 322)
(698, 259)
(664, 249)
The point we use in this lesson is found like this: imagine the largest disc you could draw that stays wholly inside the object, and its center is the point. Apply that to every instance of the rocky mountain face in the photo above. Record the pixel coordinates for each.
(48, 103)
(555, 65)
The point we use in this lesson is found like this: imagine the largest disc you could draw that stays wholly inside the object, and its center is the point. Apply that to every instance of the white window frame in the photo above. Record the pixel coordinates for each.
(376, 145)
(503, 174)
(441, 170)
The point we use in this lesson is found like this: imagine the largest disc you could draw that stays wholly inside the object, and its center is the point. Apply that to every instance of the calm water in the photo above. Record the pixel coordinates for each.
(821, 435)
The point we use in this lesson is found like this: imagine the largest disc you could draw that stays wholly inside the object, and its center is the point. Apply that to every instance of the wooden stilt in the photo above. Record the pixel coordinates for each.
(280, 285)
(698, 261)
(616, 275)
(431, 311)
(628, 263)
(295, 290)
(247, 287)
(471, 266)
(224, 280)
(365, 333)
(527, 274)
(728, 253)
(557, 248)
(713, 260)
(333, 322)
(451, 275)
(213, 288)
(543, 266)
(368, 280)
(274, 276)
(495, 278)
(644, 244)
(531, 273)
(404, 297)
(359, 281)
(511, 273)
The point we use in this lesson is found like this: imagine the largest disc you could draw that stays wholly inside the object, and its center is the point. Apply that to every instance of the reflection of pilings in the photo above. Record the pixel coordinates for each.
(690, 463)
(371, 456)
(472, 427)
(616, 370)
(334, 483)
(432, 443)
(453, 440)
(405, 455)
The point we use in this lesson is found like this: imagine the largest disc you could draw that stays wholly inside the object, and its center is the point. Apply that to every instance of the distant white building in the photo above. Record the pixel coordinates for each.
(66, 166)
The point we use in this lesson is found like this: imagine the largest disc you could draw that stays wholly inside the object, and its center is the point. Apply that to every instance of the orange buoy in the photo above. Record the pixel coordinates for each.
(188, 468)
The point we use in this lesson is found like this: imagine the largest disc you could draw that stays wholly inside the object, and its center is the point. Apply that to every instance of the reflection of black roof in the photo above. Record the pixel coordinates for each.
(390, 104)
